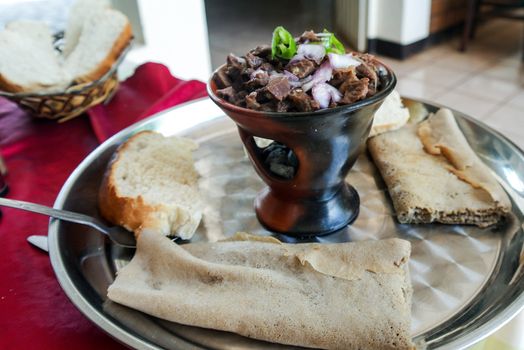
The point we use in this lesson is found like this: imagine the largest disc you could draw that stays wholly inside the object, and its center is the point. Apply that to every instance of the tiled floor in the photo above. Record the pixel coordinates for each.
(486, 82)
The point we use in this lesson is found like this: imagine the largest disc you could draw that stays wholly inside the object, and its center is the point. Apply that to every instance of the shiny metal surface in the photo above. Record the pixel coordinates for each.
(117, 234)
(465, 279)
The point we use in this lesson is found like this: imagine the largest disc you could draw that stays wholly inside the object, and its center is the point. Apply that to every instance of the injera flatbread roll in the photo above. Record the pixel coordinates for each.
(331, 296)
(433, 175)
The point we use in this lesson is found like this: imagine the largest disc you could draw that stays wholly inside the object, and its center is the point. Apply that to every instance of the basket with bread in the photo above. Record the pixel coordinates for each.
(56, 80)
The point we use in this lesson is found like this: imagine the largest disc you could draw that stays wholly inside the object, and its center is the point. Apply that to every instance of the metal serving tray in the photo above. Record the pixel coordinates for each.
(467, 281)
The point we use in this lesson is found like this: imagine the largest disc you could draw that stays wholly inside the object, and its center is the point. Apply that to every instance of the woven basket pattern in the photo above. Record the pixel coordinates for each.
(69, 104)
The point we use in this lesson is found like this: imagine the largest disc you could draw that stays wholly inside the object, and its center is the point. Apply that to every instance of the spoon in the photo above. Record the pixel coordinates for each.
(117, 234)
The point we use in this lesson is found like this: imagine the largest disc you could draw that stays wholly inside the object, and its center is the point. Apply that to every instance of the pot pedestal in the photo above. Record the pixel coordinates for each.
(305, 218)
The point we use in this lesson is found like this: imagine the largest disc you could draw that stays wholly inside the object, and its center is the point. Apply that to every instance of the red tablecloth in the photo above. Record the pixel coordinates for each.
(39, 154)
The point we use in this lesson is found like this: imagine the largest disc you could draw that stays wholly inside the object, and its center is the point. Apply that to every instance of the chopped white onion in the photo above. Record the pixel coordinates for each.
(323, 74)
(254, 74)
(335, 94)
(290, 76)
(310, 51)
(323, 93)
(301, 82)
(342, 61)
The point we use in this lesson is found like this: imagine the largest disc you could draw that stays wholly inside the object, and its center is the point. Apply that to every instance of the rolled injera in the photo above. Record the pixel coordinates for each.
(433, 175)
(331, 296)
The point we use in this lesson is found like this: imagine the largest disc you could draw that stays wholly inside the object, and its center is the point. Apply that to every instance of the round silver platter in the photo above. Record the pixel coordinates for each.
(467, 282)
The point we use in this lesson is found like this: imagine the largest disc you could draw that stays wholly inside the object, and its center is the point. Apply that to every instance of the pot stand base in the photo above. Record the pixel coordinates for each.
(307, 218)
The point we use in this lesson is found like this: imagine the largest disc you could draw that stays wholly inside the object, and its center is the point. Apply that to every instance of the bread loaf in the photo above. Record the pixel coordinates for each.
(390, 116)
(78, 14)
(329, 296)
(28, 60)
(433, 175)
(151, 183)
(104, 36)
(95, 37)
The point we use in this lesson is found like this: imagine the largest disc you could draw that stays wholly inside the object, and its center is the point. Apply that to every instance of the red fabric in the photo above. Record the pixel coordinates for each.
(40, 155)
(151, 89)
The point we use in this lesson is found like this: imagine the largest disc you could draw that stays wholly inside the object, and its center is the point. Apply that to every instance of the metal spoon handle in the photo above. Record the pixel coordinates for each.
(55, 213)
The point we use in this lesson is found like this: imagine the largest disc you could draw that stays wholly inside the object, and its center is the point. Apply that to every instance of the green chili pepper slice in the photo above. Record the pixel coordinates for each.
(283, 44)
(332, 44)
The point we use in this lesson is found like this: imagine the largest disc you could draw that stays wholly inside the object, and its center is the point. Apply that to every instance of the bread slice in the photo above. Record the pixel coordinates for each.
(28, 60)
(417, 111)
(151, 183)
(104, 36)
(33, 30)
(433, 175)
(79, 13)
(325, 296)
(390, 116)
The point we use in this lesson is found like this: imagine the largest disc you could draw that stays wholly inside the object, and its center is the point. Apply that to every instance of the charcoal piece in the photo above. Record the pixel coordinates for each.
(285, 171)
(292, 159)
(275, 153)
(280, 160)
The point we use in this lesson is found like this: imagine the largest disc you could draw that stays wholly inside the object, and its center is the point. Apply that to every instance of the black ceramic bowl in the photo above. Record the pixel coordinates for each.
(327, 142)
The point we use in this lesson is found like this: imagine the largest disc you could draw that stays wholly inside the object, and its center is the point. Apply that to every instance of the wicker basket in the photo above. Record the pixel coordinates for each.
(75, 100)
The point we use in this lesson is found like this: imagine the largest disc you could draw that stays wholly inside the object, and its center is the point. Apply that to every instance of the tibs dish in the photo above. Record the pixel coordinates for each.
(333, 296)
(298, 75)
(323, 118)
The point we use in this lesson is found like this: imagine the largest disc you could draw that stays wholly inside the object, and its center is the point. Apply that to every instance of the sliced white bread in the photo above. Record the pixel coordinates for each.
(80, 11)
(390, 116)
(417, 111)
(104, 36)
(151, 183)
(35, 30)
(28, 60)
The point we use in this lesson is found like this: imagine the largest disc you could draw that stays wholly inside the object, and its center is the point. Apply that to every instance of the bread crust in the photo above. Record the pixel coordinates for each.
(382, 128)
(106, 64)
(137, 210)
(128, 212)
(8, 86)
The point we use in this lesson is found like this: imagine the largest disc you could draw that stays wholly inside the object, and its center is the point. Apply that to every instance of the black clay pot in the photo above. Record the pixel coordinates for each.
(327, 142)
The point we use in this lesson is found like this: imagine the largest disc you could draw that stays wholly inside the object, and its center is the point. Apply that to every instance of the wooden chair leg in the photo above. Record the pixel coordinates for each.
(468, 24)
(475, 20)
